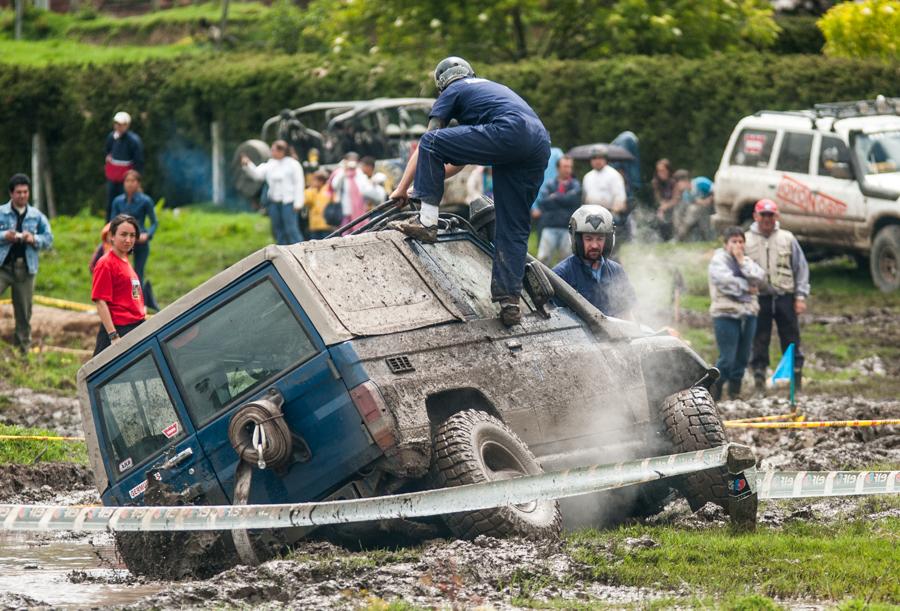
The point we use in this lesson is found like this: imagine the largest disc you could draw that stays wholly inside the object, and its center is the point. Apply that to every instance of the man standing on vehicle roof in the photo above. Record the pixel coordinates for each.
(590, 271)
(783, 296)
(496, 128)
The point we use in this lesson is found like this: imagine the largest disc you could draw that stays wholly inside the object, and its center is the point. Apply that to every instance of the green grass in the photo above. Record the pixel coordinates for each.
(800, 561)
(46, 371)
(41, 53)
(27, 452)
(191, 245)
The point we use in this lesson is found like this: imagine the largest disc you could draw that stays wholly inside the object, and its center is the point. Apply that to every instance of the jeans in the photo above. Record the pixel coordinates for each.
(16, 275)
(555, 245)
(141, 253)
(284, 223)
(780, 309)
(517, 148)
(734, 337)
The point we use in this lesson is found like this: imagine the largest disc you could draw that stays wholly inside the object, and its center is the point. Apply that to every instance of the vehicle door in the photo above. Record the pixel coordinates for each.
(837, 201)
(792, 168)
(251, 339)
(144, 432)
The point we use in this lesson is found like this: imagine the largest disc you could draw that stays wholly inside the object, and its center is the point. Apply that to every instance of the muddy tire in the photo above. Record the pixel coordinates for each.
(884, 263)
(473, 447)
(691, 422)
(176, 556)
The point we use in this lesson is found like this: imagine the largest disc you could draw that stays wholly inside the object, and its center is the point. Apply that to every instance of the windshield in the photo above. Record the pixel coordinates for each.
(879, 152)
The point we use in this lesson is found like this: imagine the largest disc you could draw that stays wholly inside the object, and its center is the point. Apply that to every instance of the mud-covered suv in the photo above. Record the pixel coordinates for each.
(834, 171)
(377, 364)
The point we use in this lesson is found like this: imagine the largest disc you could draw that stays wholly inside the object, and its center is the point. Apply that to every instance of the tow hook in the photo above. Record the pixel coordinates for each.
(712, 374)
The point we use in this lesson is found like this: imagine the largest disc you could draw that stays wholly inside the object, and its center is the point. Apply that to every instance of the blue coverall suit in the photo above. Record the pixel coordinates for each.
(496, 128)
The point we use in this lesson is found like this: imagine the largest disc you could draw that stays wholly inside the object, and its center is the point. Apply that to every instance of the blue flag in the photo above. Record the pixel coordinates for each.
(785, 369)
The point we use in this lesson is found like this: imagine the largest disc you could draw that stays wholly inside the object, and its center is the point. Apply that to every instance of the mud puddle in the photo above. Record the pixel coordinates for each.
(63, 569)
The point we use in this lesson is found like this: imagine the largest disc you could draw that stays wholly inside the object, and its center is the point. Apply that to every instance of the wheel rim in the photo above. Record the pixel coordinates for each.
(887, 265)
(501, 464)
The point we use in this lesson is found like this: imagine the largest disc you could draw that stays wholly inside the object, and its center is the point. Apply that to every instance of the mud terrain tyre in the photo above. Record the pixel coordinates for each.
(884, 263)
(691, 422)
(473, 447)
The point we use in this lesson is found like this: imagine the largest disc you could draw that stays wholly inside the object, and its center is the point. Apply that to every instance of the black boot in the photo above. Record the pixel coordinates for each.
(759, 382)
(734, 389)
(798, 380)
(716, 390)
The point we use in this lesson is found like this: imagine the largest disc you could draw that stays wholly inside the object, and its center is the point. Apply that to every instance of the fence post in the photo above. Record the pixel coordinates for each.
(20, 14)
(36, 170)
(218, 163)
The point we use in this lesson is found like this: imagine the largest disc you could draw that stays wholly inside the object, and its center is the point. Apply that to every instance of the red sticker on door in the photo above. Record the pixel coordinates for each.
(137, 490)
(171, 430)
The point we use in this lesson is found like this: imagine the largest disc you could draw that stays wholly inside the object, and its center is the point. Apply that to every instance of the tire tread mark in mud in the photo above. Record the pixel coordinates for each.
(693, 423)
(455, 464)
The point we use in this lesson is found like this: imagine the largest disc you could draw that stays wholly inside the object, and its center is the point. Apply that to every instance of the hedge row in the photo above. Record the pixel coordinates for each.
(682, 109)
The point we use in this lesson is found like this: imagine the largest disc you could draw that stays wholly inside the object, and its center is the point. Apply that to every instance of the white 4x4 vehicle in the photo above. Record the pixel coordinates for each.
(834, 171)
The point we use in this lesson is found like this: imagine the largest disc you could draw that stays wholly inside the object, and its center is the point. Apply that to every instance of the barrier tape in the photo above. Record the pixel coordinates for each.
(792, 416)
(471, 497)
(810, 425)
(61, 349)
(796, 484)
(38, 438)
(62, 304)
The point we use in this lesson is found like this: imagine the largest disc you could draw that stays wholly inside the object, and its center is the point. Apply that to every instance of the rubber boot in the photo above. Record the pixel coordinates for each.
(759, 383)
(510, 314)
(734, 389)
(716, 390)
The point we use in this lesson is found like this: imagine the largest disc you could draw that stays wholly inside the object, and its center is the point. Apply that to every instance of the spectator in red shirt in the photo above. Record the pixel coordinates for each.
(117, 289)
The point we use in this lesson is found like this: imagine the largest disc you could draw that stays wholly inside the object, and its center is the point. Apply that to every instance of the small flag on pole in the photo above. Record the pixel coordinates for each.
(785, 369)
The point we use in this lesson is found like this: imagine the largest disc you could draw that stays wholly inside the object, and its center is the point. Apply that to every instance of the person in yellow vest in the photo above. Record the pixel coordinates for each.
(317, 197)
(782, 298)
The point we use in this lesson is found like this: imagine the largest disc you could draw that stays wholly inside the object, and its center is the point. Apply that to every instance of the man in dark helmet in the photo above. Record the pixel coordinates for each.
(496, 128)
(589, 270)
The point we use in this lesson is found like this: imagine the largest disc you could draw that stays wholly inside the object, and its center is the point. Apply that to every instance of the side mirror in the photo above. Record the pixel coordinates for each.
(537, 285)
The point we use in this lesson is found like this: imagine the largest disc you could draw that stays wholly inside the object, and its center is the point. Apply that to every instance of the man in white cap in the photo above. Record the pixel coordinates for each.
(124, 152)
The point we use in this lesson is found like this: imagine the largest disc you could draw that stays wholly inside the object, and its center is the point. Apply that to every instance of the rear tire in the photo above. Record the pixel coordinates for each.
(473, 447)
(691, 422)
(884, 263)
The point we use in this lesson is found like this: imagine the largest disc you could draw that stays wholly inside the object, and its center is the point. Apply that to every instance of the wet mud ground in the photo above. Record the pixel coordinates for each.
(83, 570)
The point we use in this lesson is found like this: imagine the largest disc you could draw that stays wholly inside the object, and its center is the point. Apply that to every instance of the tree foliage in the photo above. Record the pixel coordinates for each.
(869, 29)
(511, 30)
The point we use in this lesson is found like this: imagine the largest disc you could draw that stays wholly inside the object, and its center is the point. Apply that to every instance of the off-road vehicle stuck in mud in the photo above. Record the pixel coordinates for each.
(376, 364)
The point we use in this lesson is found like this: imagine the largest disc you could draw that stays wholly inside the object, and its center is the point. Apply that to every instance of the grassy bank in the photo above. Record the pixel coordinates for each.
(40, 53)
(800, 562)
(26, 452)
(191, 245)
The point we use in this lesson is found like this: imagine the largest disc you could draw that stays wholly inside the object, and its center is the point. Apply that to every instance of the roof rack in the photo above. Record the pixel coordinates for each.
(859, 108)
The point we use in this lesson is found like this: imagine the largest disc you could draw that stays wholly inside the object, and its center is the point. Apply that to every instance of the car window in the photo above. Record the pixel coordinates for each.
(834, 157)
(236, 348)
(795, 153)
(138, 417)
(753, 148)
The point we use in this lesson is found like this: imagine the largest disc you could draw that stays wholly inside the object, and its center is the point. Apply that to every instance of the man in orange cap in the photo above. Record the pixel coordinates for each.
(782, 297)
